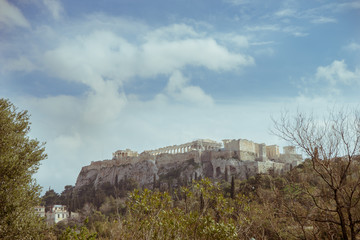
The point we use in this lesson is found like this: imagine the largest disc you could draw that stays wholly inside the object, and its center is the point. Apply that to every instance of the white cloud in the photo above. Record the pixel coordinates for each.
(320, 20)
(172, 32)
(334, 82)
(300, 34)
(353, 46)
(54, 7)
(264, 28)
(293, 30)
(348, 5)
(92, 57)
(239, 40)
(179, 89)
(337, 72)
(104, 54)
(262, 43)
(11, 16)
(287, 12)
(104, 60)
(167, 56)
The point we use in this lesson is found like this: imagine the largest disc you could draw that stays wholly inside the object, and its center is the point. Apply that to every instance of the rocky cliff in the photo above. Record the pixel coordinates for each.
(173, 168)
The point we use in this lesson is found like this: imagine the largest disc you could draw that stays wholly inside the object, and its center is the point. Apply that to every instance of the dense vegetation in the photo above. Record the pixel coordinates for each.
(19, 159)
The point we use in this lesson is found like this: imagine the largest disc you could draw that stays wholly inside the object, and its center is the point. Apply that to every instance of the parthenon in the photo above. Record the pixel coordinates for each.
(197, 145)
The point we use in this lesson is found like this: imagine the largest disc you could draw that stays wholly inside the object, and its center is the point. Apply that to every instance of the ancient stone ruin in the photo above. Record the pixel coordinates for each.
(197, 145)
(245, 149)
(204, 157)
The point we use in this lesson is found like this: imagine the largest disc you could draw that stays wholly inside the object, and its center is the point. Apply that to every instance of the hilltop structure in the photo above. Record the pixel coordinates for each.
(56, 214)
(204, 157)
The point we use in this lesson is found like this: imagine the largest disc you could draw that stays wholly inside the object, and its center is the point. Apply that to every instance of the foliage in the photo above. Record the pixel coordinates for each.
(19, 160)
(153, 215)
(77, 233)
(273, 209)
(50, 198)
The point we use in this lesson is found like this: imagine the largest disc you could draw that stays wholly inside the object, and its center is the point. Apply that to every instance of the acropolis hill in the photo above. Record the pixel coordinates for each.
(204, 157)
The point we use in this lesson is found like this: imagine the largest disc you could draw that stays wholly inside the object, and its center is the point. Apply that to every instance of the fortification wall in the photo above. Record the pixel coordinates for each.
(234, 167)
(264, 167)
(223, 154)
(97, 165)
(231, 145)
(166, 158)
(247, 156)
(246, 145)
(289, 158)
(272, 151)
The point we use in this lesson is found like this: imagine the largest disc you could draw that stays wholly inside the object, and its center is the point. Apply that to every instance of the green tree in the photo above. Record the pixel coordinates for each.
(66, 197)
(19, 160)
(232, 190)
(50, 198)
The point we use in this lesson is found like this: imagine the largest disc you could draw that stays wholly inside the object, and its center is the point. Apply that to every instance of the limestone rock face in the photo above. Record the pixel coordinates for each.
(142, 169)
(141, 172)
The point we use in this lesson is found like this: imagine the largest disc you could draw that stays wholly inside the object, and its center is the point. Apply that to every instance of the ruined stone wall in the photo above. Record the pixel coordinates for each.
(232, 145)
(247, 146)
(223, 154)
(245, 149)
(264, 167)
(272, 151)
(289, 158)
(166, 158)
(99, 164)
(234, 168)
(261, 152)
(247, 156)
(257, 149)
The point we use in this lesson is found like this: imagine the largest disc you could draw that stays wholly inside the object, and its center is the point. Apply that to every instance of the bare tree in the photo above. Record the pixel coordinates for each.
(332, 144)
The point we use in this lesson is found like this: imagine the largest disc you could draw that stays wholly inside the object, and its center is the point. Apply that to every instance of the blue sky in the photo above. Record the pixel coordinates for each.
(98, 76)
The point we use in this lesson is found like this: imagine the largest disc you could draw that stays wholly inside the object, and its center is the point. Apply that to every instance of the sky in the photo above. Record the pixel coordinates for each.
(101, 75)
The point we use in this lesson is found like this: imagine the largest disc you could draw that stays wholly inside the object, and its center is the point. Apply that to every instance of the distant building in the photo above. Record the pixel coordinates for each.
(40, 210)
(122, 154)
(56, 214)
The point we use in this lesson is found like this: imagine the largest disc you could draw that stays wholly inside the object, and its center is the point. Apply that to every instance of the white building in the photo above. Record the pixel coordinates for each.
(56, 214)
(40, 210)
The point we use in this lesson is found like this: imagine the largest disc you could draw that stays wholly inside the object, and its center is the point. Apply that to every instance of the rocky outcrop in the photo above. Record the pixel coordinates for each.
(172, 168)
(141, 169)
